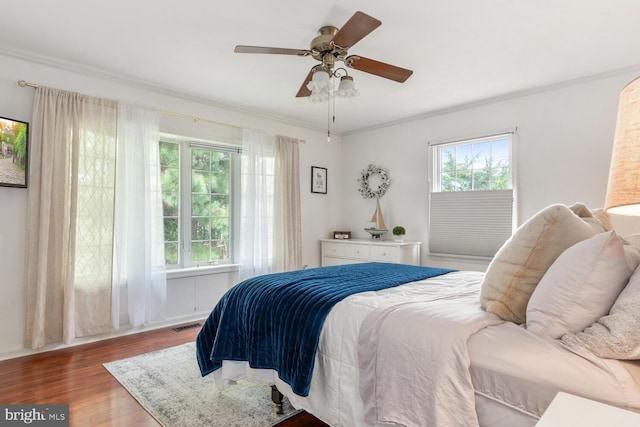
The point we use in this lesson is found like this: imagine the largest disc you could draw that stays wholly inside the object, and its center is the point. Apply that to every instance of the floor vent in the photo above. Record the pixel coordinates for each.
(185, 327)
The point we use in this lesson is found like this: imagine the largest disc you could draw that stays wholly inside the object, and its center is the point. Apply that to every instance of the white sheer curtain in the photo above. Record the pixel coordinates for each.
(270, 230)
(70, 217)
(257, 168)
(287, 212)
(139, 275)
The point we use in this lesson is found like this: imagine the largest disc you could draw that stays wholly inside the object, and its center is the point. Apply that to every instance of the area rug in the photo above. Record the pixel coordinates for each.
(168, 385)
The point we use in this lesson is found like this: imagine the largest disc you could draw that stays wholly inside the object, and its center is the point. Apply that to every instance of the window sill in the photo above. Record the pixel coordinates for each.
(201, 271)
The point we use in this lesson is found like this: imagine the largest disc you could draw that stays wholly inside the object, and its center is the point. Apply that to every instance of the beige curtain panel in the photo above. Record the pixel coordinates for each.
(287, 211)
(70, 217)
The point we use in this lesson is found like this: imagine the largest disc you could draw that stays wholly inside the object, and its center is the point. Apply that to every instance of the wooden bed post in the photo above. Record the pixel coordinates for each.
(276, 397)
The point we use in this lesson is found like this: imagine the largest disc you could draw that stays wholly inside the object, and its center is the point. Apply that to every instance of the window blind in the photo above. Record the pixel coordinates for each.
(472, 223)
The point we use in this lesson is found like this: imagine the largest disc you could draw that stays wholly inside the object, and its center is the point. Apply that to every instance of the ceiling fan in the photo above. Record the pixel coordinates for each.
(331, 45)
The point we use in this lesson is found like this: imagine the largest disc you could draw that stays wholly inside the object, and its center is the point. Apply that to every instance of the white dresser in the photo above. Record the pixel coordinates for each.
(335, 251)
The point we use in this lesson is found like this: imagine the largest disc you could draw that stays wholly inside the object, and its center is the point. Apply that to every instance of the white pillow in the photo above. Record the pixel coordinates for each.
(579, 287)
(617, 335)
(515, 271)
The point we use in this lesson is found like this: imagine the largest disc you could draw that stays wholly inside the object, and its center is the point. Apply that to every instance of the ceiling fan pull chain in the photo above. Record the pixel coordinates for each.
(333, 100)
(329, 119)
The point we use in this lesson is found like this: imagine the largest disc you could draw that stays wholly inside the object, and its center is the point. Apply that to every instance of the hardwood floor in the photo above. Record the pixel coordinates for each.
(75, 376)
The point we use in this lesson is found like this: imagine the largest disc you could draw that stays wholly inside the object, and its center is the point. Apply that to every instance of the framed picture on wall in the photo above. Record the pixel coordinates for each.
(14, 152)
(318, 180)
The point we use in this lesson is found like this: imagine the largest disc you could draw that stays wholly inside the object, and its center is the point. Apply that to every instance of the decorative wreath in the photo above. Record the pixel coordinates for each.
(366, 190)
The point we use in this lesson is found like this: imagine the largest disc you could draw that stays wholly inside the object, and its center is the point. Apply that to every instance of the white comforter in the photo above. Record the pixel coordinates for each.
(414, 363)
(336, 376)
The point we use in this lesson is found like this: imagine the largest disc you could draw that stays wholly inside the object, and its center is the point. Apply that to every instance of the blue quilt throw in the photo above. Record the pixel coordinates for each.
(274, 321)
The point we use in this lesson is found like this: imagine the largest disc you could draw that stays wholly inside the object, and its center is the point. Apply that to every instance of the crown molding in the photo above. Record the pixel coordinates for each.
(500, 98)
(141, 84)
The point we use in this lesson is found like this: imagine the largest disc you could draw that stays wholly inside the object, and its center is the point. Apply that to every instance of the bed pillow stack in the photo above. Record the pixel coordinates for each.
(581, 285)
(615, 335)
(523, 260)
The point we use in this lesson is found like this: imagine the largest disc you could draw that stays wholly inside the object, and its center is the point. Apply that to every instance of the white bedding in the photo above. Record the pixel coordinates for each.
(514, 373)
(414, 362)
(527, 376)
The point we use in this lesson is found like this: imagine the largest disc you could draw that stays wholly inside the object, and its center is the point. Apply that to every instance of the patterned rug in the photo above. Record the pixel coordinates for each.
(167, 383)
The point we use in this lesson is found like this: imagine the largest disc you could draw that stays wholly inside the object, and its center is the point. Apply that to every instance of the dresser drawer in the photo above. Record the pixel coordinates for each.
(385, 253)
(336, 251)
(333, 249)
(357, 251)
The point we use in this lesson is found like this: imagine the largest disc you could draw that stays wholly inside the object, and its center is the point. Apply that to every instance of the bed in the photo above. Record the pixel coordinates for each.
(449, 349)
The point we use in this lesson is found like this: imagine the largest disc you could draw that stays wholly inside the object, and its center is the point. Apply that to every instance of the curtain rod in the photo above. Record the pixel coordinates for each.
(23, 83)
(200, 119)
(196, 118)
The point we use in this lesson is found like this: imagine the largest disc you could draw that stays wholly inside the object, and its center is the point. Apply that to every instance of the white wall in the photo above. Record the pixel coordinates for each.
(562, 151)
(320, 214)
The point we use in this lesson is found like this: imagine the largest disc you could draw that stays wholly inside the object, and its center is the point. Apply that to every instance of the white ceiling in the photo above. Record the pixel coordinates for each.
(461, 51)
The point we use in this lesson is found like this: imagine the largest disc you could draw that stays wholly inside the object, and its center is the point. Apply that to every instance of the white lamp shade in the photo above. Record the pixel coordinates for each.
(319, 81)
(347, 88)
(623, 190)
(322, 95)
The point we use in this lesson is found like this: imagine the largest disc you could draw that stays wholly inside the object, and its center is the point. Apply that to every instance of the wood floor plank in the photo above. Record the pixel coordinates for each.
(75, 376)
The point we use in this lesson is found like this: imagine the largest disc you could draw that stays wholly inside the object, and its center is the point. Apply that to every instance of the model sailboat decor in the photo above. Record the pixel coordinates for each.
(380, 227)
(375, 188)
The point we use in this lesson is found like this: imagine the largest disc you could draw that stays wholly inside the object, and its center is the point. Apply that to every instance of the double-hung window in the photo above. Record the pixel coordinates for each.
(198, 205)
(471, 201)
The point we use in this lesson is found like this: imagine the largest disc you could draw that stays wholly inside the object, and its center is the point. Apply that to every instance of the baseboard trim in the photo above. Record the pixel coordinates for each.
(196, 317)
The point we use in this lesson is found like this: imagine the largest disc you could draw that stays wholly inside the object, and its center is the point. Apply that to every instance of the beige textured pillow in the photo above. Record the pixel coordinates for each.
(617, 335)
(519, 265)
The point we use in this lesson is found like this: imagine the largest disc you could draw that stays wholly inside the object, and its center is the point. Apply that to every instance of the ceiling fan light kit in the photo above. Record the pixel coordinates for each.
(319, 81)
(332, 45)
(347, 88)
(322, 87)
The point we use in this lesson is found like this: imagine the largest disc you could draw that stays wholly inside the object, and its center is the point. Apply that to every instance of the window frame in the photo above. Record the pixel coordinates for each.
(439, 240)
(435, 149)
(185, 147)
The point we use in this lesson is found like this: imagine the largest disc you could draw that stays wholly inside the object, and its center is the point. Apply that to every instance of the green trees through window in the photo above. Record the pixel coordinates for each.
(210, 214)
(207, 206)
(170, 182)
(475, 166)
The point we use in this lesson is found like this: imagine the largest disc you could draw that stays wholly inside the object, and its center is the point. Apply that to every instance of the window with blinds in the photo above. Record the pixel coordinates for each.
(471, 201)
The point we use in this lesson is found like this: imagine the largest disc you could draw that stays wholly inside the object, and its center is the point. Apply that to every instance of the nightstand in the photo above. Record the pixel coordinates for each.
(568, 410)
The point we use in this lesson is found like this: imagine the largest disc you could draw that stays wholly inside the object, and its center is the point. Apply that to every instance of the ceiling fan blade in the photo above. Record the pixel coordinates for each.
(271, 50)
(304, 90)
(355, 29)
(378, 68)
